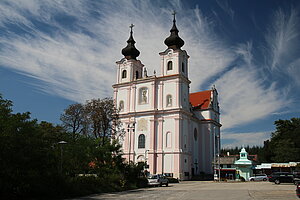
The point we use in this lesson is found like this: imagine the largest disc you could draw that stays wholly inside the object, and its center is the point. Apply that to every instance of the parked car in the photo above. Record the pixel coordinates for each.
(298, 189)
(259, 177)
(157, 180)
(282, 177)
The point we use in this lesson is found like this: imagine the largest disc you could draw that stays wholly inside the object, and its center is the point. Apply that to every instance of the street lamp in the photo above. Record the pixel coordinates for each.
(129, 129)
(61, 143)
(146, 154)
(146, 164)
(219, 141)
(214, 164)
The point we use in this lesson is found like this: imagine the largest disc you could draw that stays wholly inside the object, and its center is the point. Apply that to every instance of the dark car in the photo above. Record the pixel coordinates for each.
(298, 189)
(281, 177)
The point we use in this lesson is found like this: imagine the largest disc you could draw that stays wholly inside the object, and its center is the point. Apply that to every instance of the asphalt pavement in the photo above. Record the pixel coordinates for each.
(206, 190)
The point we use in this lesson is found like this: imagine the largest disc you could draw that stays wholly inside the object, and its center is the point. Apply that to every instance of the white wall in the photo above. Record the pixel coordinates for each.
(144, 106)
(122, 95)
(142, 127)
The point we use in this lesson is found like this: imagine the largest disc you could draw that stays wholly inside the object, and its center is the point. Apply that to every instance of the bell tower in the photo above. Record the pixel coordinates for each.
(129, 68)
(173, 59)
(174, 64)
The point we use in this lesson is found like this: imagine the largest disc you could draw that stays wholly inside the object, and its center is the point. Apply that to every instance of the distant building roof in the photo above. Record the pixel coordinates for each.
(201, 100)
(243, 158)
(281, 165)
(228, 160)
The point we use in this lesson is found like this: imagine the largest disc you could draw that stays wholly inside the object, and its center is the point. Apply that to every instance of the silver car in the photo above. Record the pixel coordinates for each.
(259, 177)
(157, 180)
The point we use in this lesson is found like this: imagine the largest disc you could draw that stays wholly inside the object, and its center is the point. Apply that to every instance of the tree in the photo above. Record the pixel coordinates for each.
(285, 141)
(73, 118)
(98, 117)
(30, 158)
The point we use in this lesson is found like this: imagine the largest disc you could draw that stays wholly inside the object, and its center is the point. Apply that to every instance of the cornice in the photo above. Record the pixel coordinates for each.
(155, 112)
(153, 78)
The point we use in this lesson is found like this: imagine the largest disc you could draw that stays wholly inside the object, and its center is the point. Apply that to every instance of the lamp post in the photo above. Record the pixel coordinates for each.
(61, 143)
(129, 129)
(146, 155)
(219, 156)
(196, 166)
(214, 149)
(146, 167)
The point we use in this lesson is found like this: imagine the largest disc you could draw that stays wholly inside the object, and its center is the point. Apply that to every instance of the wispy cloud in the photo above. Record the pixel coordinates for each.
(71, 47)
(84, 56)
(244, 98)
(282, 39)
(238, 139)
(226, 8)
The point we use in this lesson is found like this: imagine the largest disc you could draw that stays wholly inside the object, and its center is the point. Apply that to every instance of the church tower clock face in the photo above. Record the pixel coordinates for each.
(172, 130)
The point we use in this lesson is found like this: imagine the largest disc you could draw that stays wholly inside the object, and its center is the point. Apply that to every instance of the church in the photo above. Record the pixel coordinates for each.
(175, 132)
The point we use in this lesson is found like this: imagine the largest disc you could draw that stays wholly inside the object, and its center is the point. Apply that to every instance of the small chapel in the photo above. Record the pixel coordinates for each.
(177, 133)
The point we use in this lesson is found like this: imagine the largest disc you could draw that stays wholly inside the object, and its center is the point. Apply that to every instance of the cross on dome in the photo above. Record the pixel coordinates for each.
(174, 13)
(130, 52)
(174, 41)
(131, 27)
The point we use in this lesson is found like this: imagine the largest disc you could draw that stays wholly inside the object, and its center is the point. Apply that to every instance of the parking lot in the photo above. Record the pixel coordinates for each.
(208, 191)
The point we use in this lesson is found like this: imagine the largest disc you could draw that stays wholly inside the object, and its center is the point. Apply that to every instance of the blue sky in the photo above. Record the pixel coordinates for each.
(55, 53)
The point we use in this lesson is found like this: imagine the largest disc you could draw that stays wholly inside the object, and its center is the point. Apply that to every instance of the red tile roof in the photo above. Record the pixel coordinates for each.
(200, 100)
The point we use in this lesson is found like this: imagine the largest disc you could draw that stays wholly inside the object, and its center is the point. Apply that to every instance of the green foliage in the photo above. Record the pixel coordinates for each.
(285, 141)
(254, 150)
(284, 145)
(97, 117)
(31, 156)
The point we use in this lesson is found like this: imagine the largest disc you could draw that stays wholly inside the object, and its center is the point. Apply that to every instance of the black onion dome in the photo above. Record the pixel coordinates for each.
(130, 52)
(174, 41)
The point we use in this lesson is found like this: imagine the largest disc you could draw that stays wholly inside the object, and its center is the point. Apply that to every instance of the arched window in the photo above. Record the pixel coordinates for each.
(141, 141)
(140, 158)
(185, 141)
(169, 100)
(121, 105)
(124, 73)
(143, 95)
(168, 139)
(136, 74)
(195, 134)
(170, 67)
(182, 67)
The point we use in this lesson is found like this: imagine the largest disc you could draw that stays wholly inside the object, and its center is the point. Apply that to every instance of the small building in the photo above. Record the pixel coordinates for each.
(235, 167)
(227, 167)
(244, 166)
(269, 168)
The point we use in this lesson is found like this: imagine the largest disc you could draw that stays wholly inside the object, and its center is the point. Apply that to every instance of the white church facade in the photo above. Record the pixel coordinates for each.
(176, 132)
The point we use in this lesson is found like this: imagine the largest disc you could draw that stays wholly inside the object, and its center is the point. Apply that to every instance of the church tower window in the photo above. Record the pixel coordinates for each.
(168, 139)
(124, 74)
(170, 65)
(121, 105)
(169, 100)
(143, 95)
(182, 67)
(141, 141)
(136, 74)
(195, 134)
